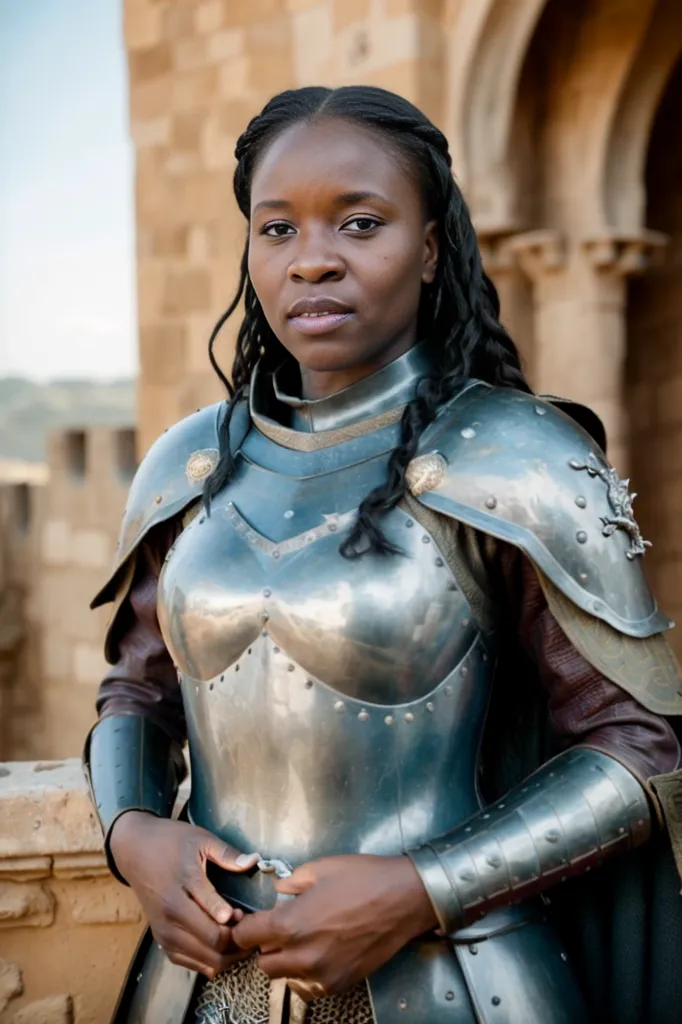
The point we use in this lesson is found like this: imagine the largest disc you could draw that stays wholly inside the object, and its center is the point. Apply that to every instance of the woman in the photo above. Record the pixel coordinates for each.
(388, 518)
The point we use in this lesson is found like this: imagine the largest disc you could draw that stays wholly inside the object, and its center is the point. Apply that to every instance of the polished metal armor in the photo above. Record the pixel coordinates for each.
(337, 706)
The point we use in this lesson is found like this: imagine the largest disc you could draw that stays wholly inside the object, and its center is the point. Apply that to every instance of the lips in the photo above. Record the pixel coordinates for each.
(319, 305)
(318, 315)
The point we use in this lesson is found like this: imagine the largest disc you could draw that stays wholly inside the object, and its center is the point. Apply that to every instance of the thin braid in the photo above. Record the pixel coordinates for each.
(458, 316)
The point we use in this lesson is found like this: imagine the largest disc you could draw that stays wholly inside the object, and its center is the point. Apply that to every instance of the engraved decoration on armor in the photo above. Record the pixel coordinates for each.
(425, 473)
(620, 500)
(332, 523)
(201, 463)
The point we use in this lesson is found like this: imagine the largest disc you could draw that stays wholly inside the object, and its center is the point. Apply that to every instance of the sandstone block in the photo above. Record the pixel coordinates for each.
(156, 132)
(209, 17)
(245, 12)
(187, 291)
(349, 12)
(96, 903)
(190, 54)
(10, 982)
(168, 241)
(150, 62)
(313, 31)
(162, 351)
(194, 89)
(151, 99)
(89, 664)
(53, 1010)
(225, 46)
(55, 542)
(91, 548)
(142, 24)
(186, 130)
(25, 905)
(177, 20)
(233, 83)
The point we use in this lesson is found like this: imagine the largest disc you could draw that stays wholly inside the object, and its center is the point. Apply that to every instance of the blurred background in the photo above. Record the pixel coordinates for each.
(119, 241)
(119, 245)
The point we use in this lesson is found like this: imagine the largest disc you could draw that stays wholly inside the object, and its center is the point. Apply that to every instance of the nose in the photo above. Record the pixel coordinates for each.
(315, 260)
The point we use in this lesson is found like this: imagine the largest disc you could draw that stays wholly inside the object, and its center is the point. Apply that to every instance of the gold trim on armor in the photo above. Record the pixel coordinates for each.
(645, 667)
(426, 473)
(301, 442)
(201, 464)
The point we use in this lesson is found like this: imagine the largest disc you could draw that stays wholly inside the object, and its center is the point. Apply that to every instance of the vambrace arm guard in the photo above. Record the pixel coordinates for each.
(575, 811)
(131, 764)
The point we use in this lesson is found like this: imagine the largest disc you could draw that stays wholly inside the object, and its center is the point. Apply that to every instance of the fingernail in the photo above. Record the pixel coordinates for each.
(246, 859)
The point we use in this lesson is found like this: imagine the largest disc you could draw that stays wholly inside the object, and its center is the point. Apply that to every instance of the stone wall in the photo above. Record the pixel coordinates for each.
(57, 542)
(67, 929)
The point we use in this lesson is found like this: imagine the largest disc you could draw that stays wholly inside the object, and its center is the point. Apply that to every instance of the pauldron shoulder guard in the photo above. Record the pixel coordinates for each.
(516, 467)
(170, 477)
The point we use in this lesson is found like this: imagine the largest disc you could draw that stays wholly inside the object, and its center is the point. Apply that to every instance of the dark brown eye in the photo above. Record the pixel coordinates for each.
(277, 229)
(362, 224)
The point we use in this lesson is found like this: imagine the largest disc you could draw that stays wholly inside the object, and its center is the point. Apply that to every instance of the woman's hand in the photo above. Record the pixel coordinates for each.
(351, 915)
(164, 863)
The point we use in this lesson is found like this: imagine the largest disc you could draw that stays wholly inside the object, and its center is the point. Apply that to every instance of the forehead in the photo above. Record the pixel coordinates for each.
(330, 157)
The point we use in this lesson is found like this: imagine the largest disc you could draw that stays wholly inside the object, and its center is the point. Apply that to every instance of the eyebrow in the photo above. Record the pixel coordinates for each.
(344, 199)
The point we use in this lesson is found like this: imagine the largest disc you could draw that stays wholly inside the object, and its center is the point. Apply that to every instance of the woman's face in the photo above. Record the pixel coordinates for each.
(339, 246)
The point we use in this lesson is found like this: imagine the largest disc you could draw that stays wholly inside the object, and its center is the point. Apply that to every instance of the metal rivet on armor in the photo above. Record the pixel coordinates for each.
(430, 706)
(290, 668)
(308, 684)
(409, 717)
(485, 817)
(339, 706)
(552, 835)
(236, 668)
(448, 690)
(402, 1004)
(264, 632)
(491, 501)
(266, 617)
(426, 540)
(465, 623)
(289, 514)
(452, 585)
(276, 650)
(409, 524)
(201, 520)
(539, 411)
(363, 716)
(501, 807)
(575, 464)
(485, 656)
(210, 686)
(439, 562)
(249, 650)
(581, 537)
(467, 876)
(564, 957)
(640, 822)
(158, 499)
(449, 995)
(493, 861)
(581, 502)
(267, 593)
(222, 679)
(468, 828)
(464, 671)
(597, 606)
(388, 720)
(473, 950)
(468, 432)
(333, 527)
(621, 831)
(275, 554)
(583, 577)
(496, 999)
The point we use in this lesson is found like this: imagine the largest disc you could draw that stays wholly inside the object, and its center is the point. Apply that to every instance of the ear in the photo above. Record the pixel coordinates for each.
(430, 252)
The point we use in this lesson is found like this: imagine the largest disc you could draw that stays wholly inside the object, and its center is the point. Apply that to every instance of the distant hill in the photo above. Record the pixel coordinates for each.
(29, 411)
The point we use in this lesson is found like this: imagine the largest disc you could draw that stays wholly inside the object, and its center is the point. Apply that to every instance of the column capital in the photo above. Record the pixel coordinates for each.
(538, 253)
(623, 253)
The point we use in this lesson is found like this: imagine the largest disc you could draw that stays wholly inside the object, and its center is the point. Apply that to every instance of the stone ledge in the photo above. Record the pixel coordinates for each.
(47, 823)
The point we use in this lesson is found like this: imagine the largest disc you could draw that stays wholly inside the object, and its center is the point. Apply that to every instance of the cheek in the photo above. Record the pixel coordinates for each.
(392, 273)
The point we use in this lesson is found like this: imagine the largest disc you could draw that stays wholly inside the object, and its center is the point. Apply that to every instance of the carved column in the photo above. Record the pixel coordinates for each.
(579, 298)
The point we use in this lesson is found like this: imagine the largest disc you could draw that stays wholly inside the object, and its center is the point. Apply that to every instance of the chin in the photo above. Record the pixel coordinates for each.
(328, 353)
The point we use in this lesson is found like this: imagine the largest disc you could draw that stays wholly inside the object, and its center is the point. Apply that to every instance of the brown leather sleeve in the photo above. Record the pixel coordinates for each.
(585, 708)
(143, 681)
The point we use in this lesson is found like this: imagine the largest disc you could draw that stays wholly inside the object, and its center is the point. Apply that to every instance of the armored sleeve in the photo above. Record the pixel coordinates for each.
(585, 805)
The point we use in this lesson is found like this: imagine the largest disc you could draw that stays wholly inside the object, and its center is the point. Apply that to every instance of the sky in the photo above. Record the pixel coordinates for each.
(67, 298)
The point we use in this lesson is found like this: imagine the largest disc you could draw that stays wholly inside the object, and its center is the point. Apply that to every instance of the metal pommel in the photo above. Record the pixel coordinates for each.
(131, 764)
(567, 817)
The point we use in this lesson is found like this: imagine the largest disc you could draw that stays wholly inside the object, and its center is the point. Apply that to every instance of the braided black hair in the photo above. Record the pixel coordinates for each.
(459, 312)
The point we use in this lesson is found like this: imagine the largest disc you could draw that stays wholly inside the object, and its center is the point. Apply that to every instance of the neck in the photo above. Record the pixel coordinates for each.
(318, 384)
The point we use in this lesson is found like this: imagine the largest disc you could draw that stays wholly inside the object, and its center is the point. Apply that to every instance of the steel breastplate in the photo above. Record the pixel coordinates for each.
(332, 705)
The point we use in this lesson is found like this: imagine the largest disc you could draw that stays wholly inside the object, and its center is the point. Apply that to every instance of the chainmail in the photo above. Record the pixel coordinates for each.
(241, 996)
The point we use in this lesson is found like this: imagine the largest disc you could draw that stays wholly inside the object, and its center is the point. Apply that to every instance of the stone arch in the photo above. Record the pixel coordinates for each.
(624, 191)
(486, 54)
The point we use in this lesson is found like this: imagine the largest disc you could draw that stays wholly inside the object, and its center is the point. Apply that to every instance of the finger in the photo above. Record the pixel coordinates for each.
(281, 964)
(258, 931)
(298, 882)
(208, 898)
(188, 946)
(194, 919)
(225, 856)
